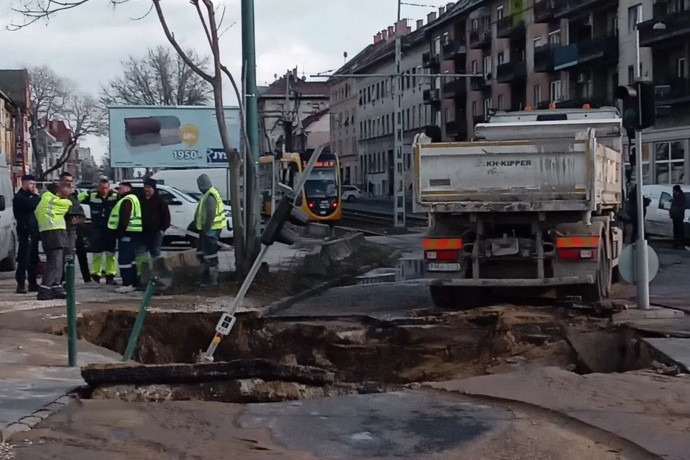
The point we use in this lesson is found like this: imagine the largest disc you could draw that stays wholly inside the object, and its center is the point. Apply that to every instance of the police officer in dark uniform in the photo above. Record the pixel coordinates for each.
(23, 205)
(101, 203)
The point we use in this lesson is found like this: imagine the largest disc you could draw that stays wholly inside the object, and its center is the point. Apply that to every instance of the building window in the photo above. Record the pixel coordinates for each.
(475, 25)
(669, 162)
(475, 68)
(437, 45)
(555, 91)
(414, 119)
(421, 121)
(499, 13)
(487, 107)
(500, 58)
(487, 67)
(446, 115)
(634, 17)
(537, 42)
(646, 170)
(680, 68)
(537, 94)
(555, 38)
(500, 102)
(474, 108)
(631, 74)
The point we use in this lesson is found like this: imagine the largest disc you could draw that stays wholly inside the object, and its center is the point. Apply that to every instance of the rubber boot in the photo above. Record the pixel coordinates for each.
(203, 276)
(21, 289)
(44, 293)
(212, 279)
(58, 292)
(33, 287)
(110, 280)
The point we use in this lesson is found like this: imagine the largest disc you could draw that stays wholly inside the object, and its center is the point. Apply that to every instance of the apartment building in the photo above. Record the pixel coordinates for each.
(666, 33)
(366, 102)
(288, 99)
(14, 84)
(567, 53)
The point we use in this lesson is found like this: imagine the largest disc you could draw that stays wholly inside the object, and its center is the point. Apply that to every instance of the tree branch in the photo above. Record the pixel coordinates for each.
(173, 42)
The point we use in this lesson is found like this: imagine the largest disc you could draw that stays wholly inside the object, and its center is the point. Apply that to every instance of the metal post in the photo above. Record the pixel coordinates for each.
(139, 322)
(641, 258)
(398, 176)
(251, 107)
(71, 313)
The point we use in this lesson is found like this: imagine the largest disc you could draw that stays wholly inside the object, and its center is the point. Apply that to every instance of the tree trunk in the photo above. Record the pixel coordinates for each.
(37, 160)
(66, 153)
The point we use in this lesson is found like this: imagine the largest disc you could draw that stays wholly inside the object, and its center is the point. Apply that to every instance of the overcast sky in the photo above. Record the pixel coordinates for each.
(87, 44)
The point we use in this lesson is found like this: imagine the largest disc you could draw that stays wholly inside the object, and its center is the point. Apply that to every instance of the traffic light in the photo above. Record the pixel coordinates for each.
(639, 106)
(284, 212)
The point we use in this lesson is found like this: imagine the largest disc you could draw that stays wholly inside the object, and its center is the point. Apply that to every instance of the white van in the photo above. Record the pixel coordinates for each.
(658, 221)
(182, 211)
(185, 180)
(8, 226)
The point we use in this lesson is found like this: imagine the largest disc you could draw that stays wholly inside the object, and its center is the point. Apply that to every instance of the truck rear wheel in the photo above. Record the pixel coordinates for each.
(455, 297)
(601, 289)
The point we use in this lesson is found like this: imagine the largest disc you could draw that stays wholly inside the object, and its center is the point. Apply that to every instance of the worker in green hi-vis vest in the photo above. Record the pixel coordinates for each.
(125, 221)
(209, 220)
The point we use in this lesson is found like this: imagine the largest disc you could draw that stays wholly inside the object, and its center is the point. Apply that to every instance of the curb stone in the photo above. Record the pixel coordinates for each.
(27, 422)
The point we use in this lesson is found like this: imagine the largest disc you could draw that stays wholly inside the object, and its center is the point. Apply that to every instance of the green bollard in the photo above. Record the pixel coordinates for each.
(139, 323)
(71, 313)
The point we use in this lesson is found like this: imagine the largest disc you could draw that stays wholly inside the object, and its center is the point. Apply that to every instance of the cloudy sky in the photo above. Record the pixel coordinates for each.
(87, 44)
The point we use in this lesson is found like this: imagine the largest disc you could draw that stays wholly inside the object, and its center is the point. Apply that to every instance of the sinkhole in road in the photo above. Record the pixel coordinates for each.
(364, 354)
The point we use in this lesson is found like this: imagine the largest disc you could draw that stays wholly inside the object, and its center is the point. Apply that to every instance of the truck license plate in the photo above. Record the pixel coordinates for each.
(443, 267)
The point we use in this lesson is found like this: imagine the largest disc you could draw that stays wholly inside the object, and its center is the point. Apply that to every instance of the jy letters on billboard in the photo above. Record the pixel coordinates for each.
(168, 137)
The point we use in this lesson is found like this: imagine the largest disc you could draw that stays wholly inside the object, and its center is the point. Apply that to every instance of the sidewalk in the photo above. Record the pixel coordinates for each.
(34, 376)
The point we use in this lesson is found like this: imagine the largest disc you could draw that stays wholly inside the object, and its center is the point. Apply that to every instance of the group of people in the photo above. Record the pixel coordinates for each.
(121, 223)
(676, 213)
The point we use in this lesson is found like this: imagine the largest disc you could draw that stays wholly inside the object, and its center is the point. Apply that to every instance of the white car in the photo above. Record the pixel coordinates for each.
(657, 221)
(8, 226)
(182, 211)
(350, 193)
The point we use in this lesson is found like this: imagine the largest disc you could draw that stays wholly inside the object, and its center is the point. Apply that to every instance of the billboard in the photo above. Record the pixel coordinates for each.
(169, 137)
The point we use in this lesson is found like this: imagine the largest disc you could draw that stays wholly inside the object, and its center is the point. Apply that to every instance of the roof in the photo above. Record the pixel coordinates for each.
(460, 7)
(313, 118)
(59, 130)
(15, 84)
(302, 87)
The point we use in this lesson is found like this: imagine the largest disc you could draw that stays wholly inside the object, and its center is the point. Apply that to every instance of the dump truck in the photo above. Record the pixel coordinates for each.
(531, 202)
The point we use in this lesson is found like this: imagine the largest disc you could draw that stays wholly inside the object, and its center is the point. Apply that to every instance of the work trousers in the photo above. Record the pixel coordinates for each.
(126, 255)
(678, 233)
(27, 256)
(76, 244)
(149, 247)
(103, 243)
(54, 264)
(207, 252)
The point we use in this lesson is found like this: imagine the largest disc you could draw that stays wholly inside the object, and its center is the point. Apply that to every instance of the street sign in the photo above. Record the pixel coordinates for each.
(626, 264)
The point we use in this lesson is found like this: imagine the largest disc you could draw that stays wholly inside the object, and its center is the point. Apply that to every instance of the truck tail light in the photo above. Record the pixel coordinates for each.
(577, 247)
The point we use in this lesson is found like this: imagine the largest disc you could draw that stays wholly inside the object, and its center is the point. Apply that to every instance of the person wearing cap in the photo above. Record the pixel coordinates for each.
(51, 215)
(155, 217)
(125, 221)
(75, 217)
(24, 204)
(209, 220)
(101, 202)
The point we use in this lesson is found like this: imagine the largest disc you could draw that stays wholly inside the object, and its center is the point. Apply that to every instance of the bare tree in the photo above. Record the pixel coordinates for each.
(35, 10)
(82, 115)
(48, 95)
(159, 78)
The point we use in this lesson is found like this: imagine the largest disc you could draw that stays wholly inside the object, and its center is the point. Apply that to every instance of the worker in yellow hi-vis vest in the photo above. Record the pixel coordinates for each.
(209, 220)
(125, 221)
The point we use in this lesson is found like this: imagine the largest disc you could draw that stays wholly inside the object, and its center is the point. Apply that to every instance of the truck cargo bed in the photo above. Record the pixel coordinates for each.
(518, 176)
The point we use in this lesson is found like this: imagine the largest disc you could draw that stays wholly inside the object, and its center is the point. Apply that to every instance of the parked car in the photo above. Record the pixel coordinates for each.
(182, 211)
(657, 221)
(8, 226)
(350, 193)
(185, 179)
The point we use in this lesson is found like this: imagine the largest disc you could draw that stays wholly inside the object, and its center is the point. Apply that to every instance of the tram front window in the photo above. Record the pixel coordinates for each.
(321, 184)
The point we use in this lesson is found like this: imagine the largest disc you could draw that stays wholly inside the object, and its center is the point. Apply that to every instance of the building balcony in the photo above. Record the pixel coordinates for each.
(480, 39)
(511, 72)
(568, 8)
(677, 28)
(454, 88)
(580, 102)
(512, 26)
(543, 10)
(453, 50)
(430, 61)
(543, 58)
(481, 83)
(543, 105)
(431, 96)
(575, 54)
(673, 91)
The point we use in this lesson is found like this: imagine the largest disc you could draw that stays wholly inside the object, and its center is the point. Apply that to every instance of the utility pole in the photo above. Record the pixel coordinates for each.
(398, 181)
(251, 112)
(641, 244)
(287, 118)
